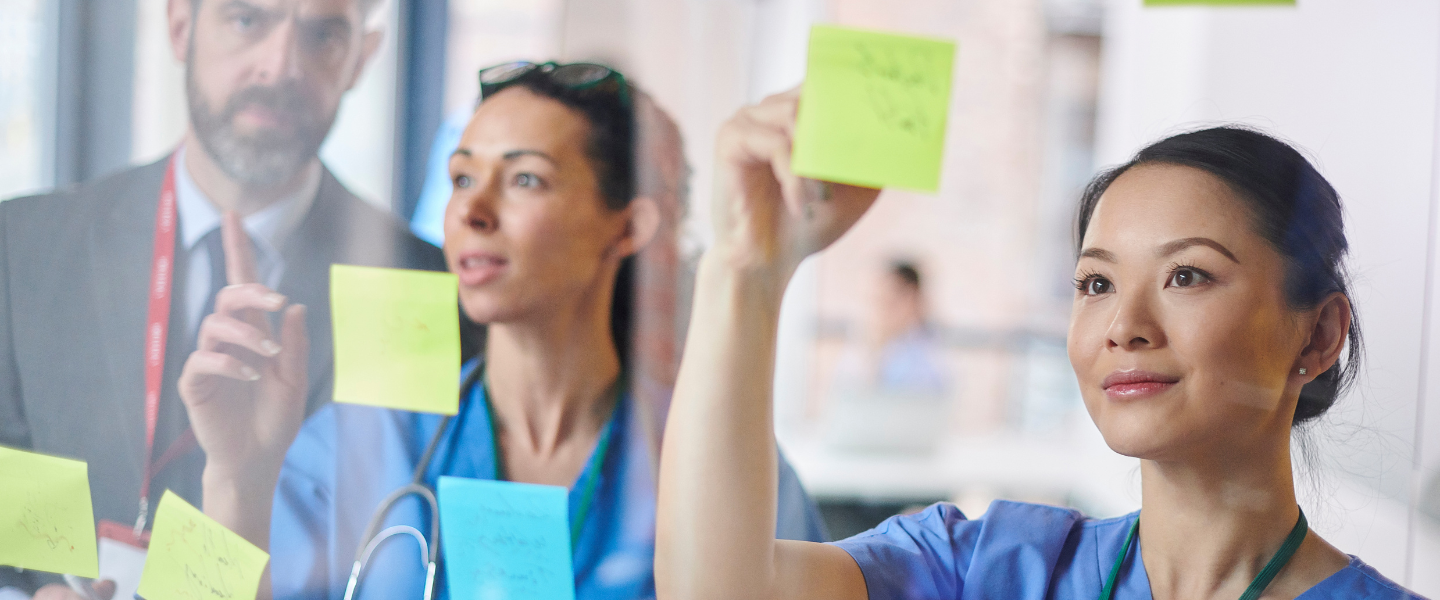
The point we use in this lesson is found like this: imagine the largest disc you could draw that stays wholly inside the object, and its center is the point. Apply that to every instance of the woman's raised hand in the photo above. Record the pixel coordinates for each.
(716, 511)
(244, 389)
(767, 219)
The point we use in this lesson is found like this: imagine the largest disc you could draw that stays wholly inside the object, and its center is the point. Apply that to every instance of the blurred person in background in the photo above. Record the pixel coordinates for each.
(899, 352)
(1210, 313)
(548, 211)
(890, 390)
(263, 80)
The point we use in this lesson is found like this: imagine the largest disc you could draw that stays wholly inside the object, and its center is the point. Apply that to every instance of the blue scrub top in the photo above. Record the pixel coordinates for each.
(1019, 551)
(347, 458)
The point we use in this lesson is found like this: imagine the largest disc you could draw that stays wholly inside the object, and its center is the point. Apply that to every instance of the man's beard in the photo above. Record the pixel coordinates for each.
(269, 156)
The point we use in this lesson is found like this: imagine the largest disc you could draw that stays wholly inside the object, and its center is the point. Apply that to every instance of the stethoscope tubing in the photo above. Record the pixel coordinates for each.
(429, 552)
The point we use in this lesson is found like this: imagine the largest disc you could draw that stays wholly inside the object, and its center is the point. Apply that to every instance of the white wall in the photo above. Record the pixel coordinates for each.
(361, 147)
(1354, 85)
(25, 31)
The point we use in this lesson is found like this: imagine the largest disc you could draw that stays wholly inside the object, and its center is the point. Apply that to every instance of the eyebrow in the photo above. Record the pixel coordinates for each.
(1178, 245)
(1099, 254)
(243, 5)
(509, 156)
(332, 21)
(1169, 248)
(514, 154)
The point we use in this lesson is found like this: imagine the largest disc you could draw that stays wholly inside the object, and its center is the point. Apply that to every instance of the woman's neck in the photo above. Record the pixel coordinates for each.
(1209, 526)
(550, 380)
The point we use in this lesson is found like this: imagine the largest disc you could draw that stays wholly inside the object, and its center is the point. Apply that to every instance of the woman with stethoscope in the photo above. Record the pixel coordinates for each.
(1210, 312)
(544, 216)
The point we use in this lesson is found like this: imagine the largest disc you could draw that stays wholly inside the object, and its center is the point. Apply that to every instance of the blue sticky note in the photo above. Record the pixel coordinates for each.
(506, 541)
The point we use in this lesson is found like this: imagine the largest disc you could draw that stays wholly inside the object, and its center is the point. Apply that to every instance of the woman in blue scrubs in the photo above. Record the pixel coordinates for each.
(1210, 313)
(543, 222)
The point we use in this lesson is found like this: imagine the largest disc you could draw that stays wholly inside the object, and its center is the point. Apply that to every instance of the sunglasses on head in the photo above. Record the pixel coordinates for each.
(574, 76)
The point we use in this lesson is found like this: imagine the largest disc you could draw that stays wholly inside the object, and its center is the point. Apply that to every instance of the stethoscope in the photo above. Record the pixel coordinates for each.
(429, 552)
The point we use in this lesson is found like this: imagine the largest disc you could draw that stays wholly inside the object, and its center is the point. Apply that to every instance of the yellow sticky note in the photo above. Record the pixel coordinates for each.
(192, 557)
(46, 522)
(873, 109)
(397, 338)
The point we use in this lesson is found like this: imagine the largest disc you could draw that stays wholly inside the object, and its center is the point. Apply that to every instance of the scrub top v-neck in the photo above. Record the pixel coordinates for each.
(347, 458)
(1020, 551)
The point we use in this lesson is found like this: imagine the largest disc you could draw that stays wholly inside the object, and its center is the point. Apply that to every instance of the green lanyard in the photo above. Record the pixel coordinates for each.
(1257, 587)
(592, 467)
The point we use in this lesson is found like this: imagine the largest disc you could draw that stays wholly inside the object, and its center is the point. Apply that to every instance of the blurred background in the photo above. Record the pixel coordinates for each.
(923, 357)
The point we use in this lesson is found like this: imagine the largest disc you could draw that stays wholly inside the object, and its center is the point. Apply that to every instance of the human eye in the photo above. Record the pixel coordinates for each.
(463, 181)
(326, 37)
(527, 180)
(1185, 276)
(245, 20)
(1093, 284)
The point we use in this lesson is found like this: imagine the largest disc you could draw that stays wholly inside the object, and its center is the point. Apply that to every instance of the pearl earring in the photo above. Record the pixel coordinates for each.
(1302, 370)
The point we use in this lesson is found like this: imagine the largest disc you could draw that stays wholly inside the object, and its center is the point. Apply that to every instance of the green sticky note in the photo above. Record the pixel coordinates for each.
(873, 109)
(397, 338)
(192, 557)
(46, 522)
(1219, 2)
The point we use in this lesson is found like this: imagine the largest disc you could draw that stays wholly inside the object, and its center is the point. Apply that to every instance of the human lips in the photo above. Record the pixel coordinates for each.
(1135, 384)
(479, 268)
(258, 116)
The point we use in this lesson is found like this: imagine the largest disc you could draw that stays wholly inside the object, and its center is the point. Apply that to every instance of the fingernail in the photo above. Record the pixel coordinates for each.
(275, 299)
(270, 347)
(249, 374)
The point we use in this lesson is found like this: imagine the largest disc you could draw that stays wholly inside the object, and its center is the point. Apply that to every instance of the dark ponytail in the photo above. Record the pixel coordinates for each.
(1293, 207)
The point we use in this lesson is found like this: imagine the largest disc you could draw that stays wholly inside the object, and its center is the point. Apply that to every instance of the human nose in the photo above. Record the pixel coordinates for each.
(278, 58)
(475, 207)
(1134, 326)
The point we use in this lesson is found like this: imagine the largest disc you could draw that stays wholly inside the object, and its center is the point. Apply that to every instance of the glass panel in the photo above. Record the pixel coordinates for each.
(24, 74)
(925, 357)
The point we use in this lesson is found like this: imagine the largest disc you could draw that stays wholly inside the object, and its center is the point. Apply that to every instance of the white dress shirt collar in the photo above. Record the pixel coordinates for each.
(269, 227)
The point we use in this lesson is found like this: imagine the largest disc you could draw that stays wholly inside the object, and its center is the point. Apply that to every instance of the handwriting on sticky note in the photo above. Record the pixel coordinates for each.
(194, 558)
(505, 540)
(46, 521)
(873, 109)
(397, 338)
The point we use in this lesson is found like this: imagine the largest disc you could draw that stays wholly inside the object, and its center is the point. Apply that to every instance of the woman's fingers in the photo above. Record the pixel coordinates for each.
(770, 208)
(239, 250)
(209, 363)
(764, 143)
(219, 329)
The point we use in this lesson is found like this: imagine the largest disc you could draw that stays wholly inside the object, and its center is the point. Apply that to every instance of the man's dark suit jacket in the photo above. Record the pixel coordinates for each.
(74, 268)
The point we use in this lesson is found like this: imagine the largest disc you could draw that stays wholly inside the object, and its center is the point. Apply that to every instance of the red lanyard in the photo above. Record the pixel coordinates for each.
(157, 330)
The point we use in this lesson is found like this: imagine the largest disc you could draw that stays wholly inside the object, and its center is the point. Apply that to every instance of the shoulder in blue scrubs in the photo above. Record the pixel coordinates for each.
(347, 458)
(1019, 551)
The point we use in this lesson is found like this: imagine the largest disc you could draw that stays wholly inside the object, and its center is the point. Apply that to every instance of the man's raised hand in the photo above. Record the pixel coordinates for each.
(243, 388)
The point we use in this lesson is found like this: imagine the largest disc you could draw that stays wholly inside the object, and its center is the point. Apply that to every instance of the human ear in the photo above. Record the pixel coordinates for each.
(642, 223)
(180, 25)
(1327, 337)
(370, 42)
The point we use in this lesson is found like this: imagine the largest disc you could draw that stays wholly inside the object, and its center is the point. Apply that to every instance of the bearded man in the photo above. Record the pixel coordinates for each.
(103, 286)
